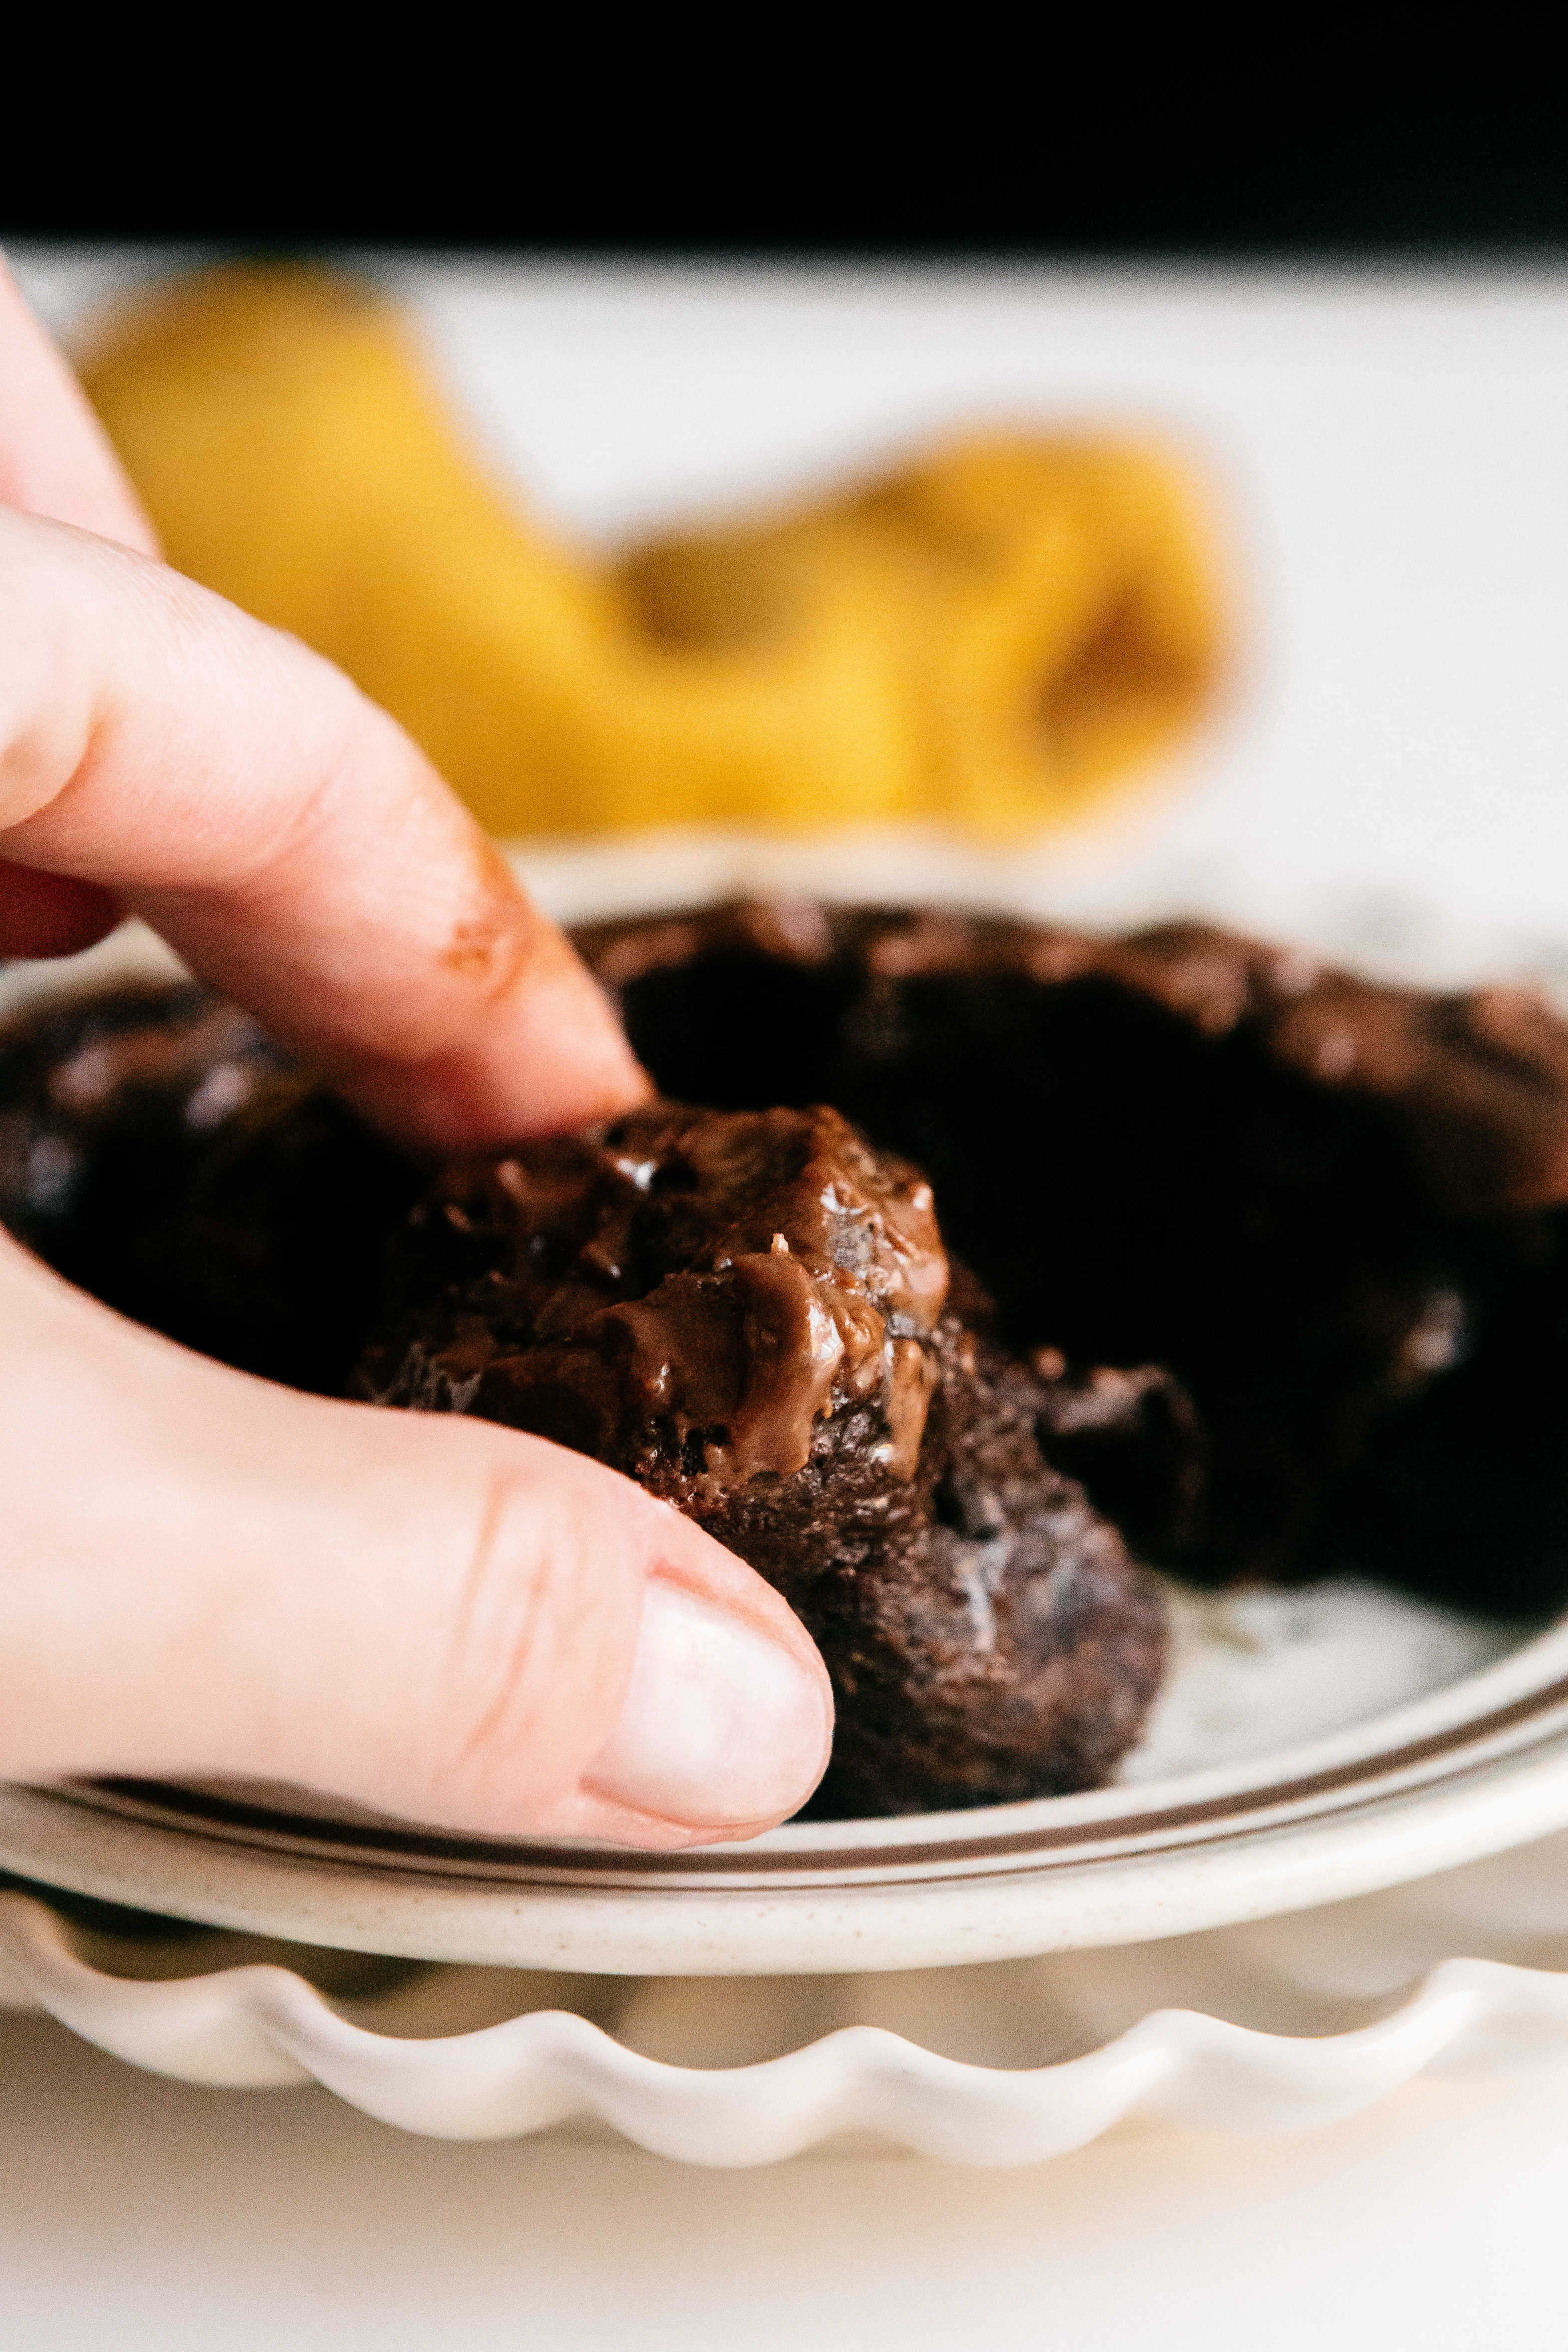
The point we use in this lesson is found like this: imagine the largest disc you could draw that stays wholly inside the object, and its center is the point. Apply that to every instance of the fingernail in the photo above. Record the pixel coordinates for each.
(719, 1724)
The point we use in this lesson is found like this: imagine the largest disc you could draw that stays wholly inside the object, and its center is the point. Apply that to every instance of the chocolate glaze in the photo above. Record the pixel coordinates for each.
(717, 1283)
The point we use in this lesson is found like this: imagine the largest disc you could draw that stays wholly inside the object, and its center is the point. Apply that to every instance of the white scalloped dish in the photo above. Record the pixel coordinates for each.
(1309, 2021)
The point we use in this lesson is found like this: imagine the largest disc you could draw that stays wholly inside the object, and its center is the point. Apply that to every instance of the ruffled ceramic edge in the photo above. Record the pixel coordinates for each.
(250, 2027)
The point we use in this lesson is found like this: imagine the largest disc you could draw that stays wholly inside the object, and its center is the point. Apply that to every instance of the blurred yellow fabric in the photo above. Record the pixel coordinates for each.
(996, 633)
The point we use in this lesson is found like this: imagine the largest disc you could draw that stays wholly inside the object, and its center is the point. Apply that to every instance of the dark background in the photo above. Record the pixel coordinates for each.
(963, 138)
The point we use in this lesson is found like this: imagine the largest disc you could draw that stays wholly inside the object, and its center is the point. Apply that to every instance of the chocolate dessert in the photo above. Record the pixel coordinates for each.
(1278, 1260)
(747, 1312)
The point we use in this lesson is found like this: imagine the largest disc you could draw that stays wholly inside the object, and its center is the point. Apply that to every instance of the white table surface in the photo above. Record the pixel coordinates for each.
(1397, 470)
(151, 2217)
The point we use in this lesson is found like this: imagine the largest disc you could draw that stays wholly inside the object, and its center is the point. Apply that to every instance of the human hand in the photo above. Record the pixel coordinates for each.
(209, 1575)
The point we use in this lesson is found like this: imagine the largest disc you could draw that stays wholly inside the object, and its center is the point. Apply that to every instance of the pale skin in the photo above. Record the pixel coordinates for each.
(203, 1574)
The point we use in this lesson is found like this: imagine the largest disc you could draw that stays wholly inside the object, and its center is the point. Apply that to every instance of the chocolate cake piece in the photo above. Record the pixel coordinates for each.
(1332, 1210)
(746, 1313)
(159, 1149)
(106, 1101)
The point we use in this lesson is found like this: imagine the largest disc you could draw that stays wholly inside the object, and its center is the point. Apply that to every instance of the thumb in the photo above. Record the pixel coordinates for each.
(206, 1575)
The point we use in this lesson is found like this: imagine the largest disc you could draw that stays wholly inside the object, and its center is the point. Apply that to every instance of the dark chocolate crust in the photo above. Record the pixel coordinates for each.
(744, 1312)
(158, 1149)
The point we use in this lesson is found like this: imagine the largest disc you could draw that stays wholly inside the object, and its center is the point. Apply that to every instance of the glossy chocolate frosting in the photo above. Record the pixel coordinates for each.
(728, 1279)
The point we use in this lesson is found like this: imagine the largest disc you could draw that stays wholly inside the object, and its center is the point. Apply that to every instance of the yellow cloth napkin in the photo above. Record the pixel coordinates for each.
(994, 634)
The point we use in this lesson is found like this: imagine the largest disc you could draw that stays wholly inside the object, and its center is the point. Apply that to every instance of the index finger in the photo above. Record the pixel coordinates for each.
(291, 843)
